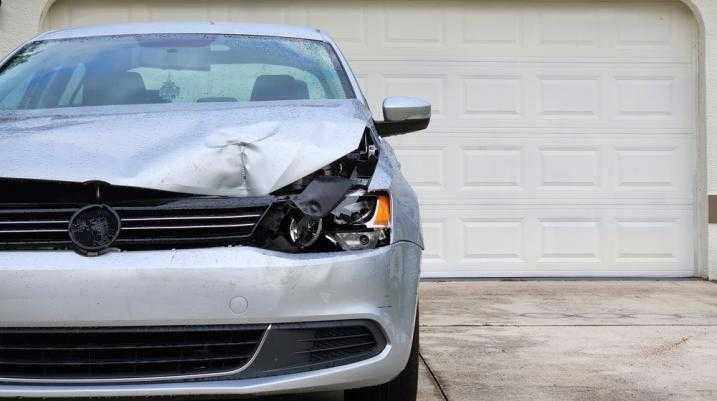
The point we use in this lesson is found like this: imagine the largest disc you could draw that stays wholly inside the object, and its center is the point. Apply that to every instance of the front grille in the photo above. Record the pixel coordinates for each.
(139, 352)
(185, 222)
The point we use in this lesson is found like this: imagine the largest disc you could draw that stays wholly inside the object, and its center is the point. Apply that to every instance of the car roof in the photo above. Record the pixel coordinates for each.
(227, 28)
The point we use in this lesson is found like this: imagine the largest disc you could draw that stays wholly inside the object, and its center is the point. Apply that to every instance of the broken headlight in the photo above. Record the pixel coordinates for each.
(361, 221)
(331, 209)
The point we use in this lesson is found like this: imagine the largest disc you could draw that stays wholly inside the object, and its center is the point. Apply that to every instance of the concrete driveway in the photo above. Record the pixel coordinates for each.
(572, 340)
(566, 340)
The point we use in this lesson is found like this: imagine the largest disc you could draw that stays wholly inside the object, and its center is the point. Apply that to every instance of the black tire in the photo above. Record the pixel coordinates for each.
(403, 388)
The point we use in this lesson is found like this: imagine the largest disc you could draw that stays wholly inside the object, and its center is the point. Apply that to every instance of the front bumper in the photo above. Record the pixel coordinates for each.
(240, 285)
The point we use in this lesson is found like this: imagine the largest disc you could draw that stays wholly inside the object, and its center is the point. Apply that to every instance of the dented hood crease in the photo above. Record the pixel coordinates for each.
(208, 149)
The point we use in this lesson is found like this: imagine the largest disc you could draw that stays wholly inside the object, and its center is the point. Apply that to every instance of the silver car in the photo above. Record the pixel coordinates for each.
(202, 209)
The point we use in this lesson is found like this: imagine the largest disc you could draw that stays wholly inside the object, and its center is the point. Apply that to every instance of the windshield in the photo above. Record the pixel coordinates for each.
(176, 68)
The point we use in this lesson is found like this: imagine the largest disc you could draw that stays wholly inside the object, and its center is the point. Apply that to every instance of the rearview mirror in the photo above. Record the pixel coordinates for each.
(403, 115)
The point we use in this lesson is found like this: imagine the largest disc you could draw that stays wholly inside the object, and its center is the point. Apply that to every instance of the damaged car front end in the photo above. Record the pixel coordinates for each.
(208, 213)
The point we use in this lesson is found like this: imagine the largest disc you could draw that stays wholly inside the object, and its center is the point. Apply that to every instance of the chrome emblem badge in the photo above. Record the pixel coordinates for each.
(94, 228)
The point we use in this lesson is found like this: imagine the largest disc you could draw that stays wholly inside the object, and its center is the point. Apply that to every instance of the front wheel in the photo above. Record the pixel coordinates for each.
(403, 388)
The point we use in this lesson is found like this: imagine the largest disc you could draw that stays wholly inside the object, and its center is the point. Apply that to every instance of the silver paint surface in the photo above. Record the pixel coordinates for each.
(196, 287)
(210, 149)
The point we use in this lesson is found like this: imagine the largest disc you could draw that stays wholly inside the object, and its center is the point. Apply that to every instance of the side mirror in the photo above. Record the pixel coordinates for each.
(403, 115)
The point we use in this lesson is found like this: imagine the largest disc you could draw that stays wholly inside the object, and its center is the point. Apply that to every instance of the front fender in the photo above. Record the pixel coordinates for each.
(405, 210)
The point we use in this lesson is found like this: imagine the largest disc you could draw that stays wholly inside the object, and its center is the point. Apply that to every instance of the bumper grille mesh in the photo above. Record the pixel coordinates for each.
(337, 343)
(108, 353)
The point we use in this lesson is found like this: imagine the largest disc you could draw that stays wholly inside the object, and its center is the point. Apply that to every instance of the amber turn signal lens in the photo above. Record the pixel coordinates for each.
(382, 218)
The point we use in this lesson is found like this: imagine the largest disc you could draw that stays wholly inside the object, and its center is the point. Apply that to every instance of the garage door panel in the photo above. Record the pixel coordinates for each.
(563, 137)
(423, 25)
(185, 10)
(654, 169)
(425, 167)
(569, 96)
(65, 14)
(571, 241)
(570, 168)
(499, 167)
(351, 29)
(493, 26)
(568, 25)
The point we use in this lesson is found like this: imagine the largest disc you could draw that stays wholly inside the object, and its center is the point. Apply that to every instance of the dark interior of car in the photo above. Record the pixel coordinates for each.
(128, 88)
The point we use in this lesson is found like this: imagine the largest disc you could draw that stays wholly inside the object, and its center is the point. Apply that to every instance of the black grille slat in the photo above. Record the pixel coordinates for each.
(35, 226)
(108, 353)
(333, 338)
(337, 347)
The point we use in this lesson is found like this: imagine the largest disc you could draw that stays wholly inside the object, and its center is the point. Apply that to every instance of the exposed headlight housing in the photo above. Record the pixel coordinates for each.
(304, 230)
(356, 241)
(362, 221)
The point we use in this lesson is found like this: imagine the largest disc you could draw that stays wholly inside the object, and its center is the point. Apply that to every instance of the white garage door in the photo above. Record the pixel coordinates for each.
(563, 138)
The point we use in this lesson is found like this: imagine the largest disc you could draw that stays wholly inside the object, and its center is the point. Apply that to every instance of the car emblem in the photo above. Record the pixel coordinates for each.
(94, 228)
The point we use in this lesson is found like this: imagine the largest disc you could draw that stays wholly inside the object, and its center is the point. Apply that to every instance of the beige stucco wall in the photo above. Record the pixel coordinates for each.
(21, 19)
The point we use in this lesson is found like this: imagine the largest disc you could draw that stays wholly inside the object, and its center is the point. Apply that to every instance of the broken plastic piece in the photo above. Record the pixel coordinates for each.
(322, 195)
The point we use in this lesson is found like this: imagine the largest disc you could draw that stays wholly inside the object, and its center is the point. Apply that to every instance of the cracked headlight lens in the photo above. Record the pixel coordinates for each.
(362, 221)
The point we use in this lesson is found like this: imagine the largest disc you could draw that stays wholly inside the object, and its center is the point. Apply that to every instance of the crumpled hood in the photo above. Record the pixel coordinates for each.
(208, 149)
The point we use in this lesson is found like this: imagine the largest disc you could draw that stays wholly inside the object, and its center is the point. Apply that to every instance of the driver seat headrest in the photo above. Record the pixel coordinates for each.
(279, 87)
(119, 88)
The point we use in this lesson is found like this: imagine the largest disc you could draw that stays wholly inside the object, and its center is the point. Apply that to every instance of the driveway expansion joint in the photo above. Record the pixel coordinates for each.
(434, 378)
